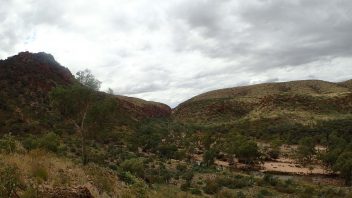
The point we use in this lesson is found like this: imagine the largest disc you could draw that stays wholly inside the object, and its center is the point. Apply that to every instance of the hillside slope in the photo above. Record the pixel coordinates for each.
(303, 102)
(26, 80)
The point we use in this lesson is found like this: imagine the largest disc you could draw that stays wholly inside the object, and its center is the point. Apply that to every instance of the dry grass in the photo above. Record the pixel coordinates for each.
(62, 172)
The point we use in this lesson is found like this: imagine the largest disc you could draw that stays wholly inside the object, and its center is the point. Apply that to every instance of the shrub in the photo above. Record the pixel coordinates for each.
(271, 180)
(9, 180)
(307, 192)
(30, 143)
(181, 167)
(331, 193)
(167, 151)
(195, 191)
(30, 192)
(127, 177)
(50, 142)
(211, 187)
(134, 166)
(344, 165)
(240, 194)
(101, 178)
(265, 192)
(274, 154)
(209, 157)
(185, 186)
(8, 143)
(139, 188)
(157, 174)
(188, 176)
(39, 172)
(225, 193)
(234, 182)
(180, 154)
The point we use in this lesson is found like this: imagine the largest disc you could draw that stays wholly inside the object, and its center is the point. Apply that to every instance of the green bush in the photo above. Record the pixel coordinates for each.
(158, 174)
(30, 143)
(270, 180)
(139, 188)
(331, 193)
(127, 177)
(307, 192)
(209, 157)
(265, 192)
(195, 191)
(211, 187)
(134, 166)
(167, 151)
(235, 182)
(50, 142)
(8, 143)
(181, 167)
(9, 180)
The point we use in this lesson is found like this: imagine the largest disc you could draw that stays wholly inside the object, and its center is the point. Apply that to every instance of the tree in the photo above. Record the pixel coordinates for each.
(167, 150)
(306, 150)
(209, 157)
(110, 91)
(86, 78)
(82, 106)
(244, 149)
(344, 166)
(248, 152)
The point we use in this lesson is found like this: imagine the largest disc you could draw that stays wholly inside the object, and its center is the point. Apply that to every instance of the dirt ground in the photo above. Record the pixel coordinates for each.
(284, 165)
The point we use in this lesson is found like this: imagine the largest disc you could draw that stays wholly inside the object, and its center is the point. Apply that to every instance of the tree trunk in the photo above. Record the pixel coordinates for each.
(81, 131)
(83, 134)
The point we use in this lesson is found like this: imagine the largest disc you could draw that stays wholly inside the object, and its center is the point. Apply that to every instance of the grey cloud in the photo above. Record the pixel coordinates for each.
(292, 32)
(171, 50)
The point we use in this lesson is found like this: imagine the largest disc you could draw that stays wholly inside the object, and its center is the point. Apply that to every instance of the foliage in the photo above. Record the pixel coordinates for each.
(149, 134)
(306, 150)
(9, 180)
(134, 166)
(211, 186)
(86, 78)
(225, 193)
(209, 157)
(100, 178)
(8, 143)
(344, 166)
(167, 151)
(139, 188)
(235, 181)
(88, 111)
(49, 141)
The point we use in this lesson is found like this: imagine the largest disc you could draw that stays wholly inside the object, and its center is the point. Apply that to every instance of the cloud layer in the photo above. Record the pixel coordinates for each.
(169, 51)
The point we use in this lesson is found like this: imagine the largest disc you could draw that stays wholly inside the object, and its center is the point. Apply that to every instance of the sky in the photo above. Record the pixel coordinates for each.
(169, 51)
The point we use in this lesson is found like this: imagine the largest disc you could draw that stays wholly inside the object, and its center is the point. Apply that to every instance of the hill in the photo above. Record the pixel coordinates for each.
(26, 80)
(304, 102)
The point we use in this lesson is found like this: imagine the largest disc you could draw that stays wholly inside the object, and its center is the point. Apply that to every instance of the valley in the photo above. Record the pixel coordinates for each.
(59, 134)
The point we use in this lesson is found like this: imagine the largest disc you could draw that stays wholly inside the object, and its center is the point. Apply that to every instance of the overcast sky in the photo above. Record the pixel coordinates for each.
(171, 50)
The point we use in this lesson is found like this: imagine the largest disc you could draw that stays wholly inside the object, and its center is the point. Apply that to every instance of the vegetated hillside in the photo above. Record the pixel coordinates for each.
(26, 80)
(347, 84)
(303, 102)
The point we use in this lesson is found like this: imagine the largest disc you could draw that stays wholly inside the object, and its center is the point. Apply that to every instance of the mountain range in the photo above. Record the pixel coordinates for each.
(26, 80)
